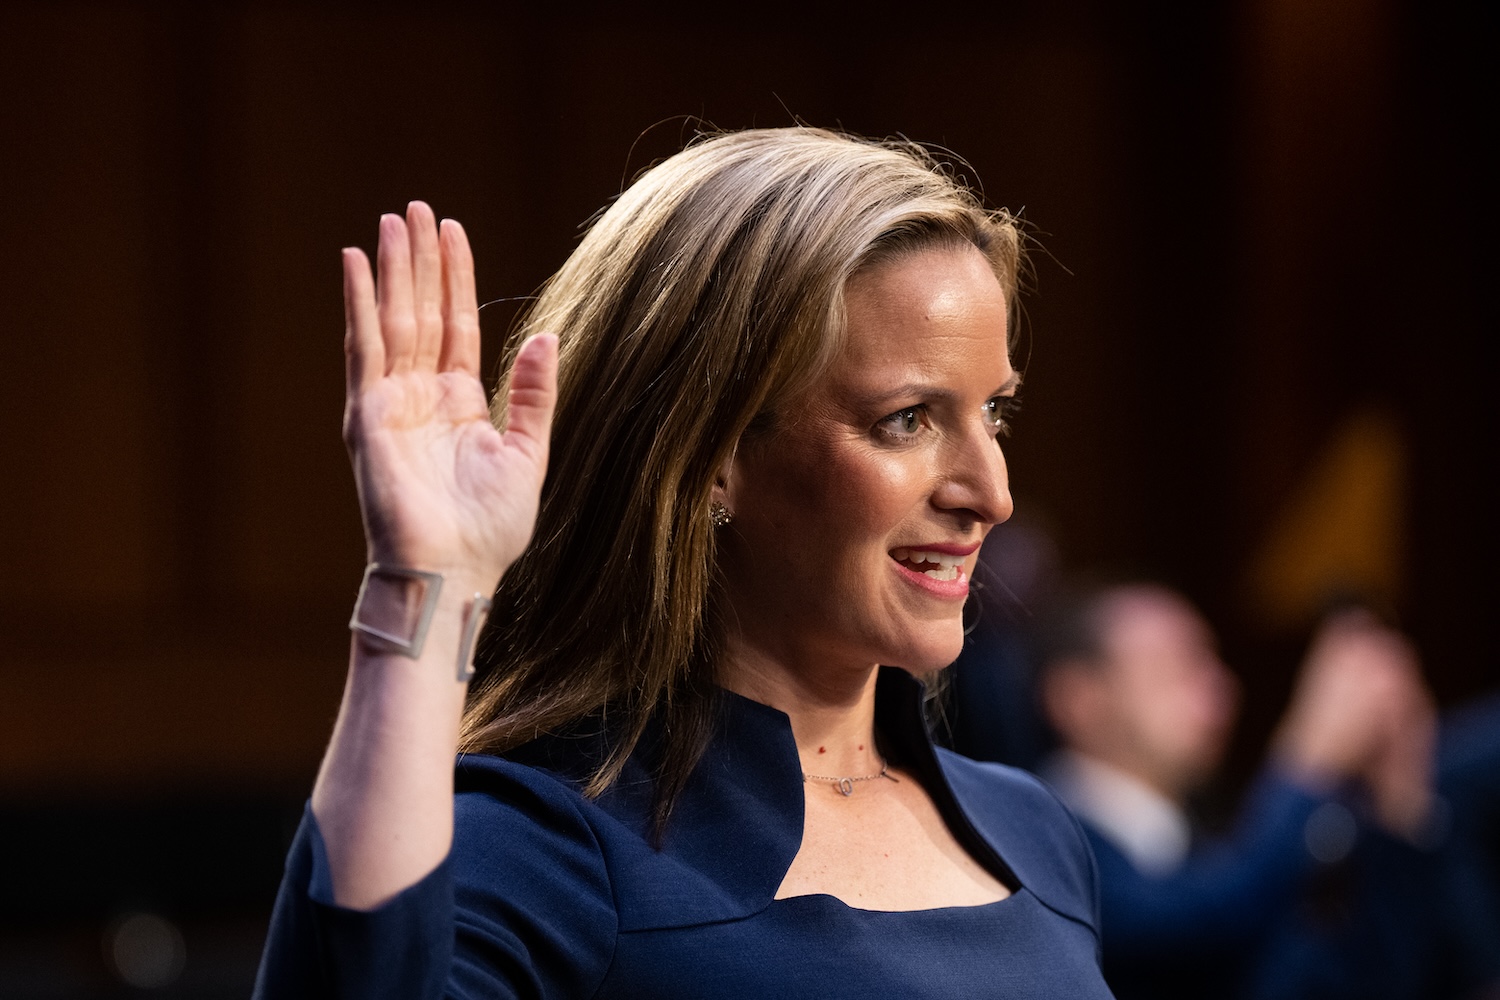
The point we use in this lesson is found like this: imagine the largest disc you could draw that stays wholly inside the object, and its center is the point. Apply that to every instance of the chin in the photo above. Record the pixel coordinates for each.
(934, 656)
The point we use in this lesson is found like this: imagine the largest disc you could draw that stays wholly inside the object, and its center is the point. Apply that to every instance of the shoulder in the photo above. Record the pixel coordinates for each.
(504, 808)
(523, 835)
(533, 896)
(1033, 832)
(525, 823)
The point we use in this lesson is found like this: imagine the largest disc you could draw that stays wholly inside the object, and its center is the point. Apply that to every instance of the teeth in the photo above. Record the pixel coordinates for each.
(944, 566)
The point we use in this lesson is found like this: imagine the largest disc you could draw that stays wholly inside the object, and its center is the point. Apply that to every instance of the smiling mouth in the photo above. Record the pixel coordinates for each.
(937, 565)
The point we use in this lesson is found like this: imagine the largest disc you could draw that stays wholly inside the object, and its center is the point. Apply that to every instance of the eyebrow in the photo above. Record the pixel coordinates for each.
(927, 390)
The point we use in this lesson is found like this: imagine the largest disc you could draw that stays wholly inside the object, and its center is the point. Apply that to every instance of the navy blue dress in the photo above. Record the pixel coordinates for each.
(547, 893)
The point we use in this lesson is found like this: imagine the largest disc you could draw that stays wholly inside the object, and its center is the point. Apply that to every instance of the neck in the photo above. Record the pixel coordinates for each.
(832, 715)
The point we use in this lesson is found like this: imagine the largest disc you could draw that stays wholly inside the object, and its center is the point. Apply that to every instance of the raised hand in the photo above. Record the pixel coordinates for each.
(1355, 683)
(442, 491)
(1400, 774)
(440, 488)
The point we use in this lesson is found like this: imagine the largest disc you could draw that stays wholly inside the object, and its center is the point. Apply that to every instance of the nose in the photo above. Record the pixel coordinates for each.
(974, 478)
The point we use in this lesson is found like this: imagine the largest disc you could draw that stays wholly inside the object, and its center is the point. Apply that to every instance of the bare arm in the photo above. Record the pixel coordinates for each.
(442, 491)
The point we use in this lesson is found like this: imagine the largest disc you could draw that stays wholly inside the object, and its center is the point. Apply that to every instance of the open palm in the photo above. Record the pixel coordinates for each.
(440, 488)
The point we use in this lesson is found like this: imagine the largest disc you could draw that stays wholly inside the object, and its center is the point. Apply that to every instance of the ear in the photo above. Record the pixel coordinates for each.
(724, 479)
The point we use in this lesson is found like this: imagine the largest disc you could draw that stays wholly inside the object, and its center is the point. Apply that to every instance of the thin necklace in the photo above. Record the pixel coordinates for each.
(845, 786)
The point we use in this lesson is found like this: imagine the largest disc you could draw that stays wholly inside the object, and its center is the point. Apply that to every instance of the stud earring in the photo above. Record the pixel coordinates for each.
(719, 514)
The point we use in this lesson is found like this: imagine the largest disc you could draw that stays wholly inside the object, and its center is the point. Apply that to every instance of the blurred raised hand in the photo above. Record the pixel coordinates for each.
(1361, 712)
(1351, 683)
(1401, 774)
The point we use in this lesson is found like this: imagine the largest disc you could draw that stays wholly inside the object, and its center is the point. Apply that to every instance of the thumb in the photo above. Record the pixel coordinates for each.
(533, 395)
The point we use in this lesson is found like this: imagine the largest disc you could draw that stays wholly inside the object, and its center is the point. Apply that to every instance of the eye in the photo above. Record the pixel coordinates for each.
(1000, 410)
(901, 424)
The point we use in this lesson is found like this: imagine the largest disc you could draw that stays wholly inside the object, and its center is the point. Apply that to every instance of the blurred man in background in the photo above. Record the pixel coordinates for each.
(1323, 888)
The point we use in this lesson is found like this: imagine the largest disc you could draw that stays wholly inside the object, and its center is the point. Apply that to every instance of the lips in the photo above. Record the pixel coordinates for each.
(935, 565)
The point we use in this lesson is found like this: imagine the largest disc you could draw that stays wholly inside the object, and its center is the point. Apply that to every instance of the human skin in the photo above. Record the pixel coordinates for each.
(1159, 704)
(440, 490)
(1171, 699)
(845, 483)
(894, 452)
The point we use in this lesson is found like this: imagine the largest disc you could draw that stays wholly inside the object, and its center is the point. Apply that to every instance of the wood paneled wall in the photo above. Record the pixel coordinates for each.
(182, 542)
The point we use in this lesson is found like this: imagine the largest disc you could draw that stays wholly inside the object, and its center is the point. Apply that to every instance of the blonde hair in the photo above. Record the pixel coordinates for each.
(704, 302)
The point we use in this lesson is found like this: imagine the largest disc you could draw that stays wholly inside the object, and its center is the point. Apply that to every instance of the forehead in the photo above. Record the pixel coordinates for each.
(928, 311)
(1150, 623)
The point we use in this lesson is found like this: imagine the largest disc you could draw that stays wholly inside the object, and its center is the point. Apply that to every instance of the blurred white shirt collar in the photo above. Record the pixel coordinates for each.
(1148, 828)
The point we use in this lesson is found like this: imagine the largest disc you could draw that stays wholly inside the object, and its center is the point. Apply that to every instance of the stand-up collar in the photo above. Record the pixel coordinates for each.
(739, 822)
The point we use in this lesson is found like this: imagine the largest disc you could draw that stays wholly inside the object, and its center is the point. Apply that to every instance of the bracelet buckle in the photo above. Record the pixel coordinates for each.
(407, 645)
(478, 611)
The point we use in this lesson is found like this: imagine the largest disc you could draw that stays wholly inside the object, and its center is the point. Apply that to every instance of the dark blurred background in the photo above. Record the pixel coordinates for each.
(1252, 349)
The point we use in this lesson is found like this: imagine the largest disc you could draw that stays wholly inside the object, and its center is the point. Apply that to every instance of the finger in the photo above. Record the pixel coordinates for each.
(533, 394)
(364, 353)
(427, 285)
(460, 305)
(398, 327)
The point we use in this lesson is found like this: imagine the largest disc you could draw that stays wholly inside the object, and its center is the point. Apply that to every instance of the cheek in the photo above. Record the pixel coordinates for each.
(1164, 711)
(837, 496)
(870, 492)
(1219, 708)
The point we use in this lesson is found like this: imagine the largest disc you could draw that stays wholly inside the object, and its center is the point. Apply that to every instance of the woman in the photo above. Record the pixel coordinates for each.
(781, 370)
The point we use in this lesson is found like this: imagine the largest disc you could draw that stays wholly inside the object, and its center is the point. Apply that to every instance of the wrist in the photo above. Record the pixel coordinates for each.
(399, 608)
(1315, 773)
